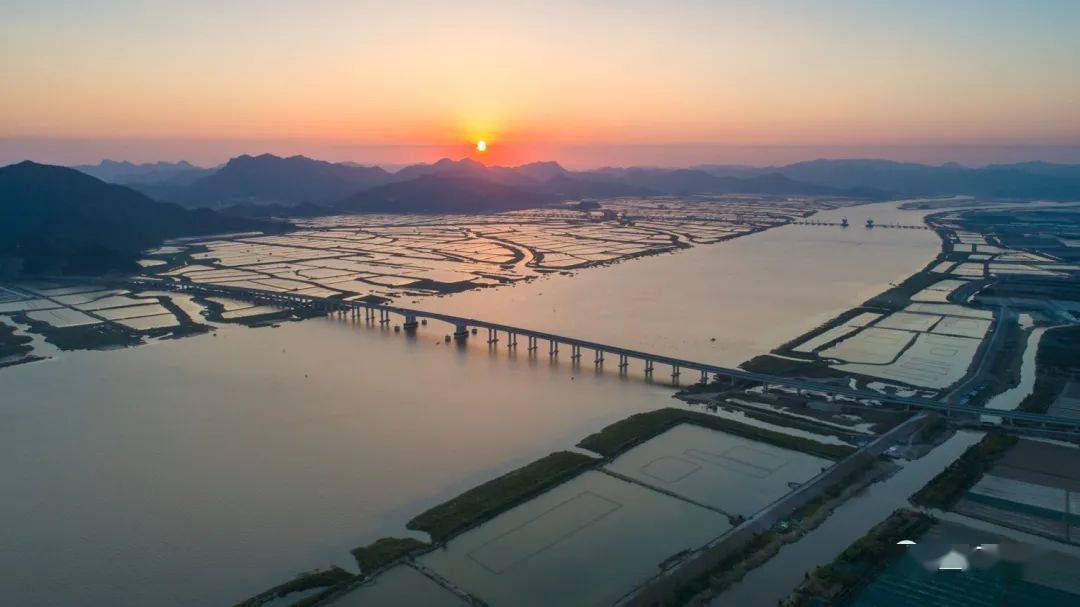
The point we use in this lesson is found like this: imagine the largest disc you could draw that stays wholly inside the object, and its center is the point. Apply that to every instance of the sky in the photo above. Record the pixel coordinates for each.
(588, 83)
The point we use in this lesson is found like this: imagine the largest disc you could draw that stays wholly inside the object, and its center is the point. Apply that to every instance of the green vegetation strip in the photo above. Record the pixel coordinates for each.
(785, 367)
(330, 579)
(836, 582)
(88, 337)
(945, 488)
(493, 497)
(636, 429)
(12, 344)
(900, 295)
(1057, 359)
(377, 555)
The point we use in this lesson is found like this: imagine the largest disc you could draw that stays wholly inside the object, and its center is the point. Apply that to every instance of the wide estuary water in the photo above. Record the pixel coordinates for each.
(199, 471)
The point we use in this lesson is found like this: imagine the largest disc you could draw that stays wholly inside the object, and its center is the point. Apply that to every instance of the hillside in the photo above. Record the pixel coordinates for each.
(148, 174)
(269, 179)
(445, 194)
(1037, 180)
(58, 220)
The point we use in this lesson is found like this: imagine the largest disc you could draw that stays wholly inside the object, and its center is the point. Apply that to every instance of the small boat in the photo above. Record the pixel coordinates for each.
(870, 222)
(844, 222)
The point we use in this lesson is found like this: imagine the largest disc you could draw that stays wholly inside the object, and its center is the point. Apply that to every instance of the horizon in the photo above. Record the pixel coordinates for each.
(669, 156)
(729, 83)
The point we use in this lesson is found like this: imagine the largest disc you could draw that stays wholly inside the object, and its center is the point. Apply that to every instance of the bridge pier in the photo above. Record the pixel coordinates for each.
(623, 363)
(493, 336)
(704, 377)
(1013, 421)
(410, 323)
(461, 332)
(531, 341)
(511, 339)
(575, 352)
(599, 359)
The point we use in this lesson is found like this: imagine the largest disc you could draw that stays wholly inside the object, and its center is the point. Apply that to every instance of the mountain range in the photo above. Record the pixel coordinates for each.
(151, 173)
(61, 220)
(268, 184)
(269, 179)
(56, 220)
(1031, 180)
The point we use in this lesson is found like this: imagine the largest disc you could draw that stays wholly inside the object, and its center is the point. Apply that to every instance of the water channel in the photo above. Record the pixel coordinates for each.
(199, 471)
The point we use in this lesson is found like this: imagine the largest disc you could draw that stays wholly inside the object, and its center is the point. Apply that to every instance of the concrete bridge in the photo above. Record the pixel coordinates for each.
(1035, 423)
(837, 224)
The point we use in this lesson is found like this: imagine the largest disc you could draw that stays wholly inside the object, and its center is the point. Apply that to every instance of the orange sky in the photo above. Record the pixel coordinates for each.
(530, 77)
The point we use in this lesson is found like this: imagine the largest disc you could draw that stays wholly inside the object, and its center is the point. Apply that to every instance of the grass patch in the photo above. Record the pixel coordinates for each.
(710, 580)
(384, 551)
(326, 578)
(773, 365)
(900, 295)
(1046, 390)
(1004, 369)
(495, 496)
(12, 344)
(89, 337)
(1057, 359)
(636, 429)
(1059, 349)
(945, 488)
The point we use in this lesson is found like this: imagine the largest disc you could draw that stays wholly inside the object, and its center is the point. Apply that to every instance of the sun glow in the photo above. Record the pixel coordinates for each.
(481, 146)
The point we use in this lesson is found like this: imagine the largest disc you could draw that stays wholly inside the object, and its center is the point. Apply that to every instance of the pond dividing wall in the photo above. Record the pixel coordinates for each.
(661, 588)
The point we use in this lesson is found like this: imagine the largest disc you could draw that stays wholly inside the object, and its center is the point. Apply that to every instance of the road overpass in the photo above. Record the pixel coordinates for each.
(382, 314)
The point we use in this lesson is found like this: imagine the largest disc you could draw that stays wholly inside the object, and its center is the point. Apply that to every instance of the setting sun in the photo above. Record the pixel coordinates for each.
(481, 146)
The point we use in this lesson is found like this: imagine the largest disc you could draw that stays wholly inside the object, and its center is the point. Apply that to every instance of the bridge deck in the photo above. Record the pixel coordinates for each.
(675, 363)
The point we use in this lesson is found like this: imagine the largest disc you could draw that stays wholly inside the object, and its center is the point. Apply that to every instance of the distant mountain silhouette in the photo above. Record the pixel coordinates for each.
(469, 186)
(267, 185)
(445, 193)
(269, 179)
(58, 220)
(701, 181)
(1064, 171)
(531, 175)
(1020, 180)
(150, 173)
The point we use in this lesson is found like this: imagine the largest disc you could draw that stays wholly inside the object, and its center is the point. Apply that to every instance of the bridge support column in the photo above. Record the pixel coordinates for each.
(648, 367)
(384, 317)
(410, 323)
(493, 336)
(674, 373)
(575, 352)
(531, 343)
(623, 363)
(553, 348)
(511, 339)
(599, 359)
(461, 332)
(704, 377)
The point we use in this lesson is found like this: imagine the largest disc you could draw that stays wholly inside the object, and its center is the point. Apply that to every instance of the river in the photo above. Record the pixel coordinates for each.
(1011, 398)
(778, 577)
(199, 471)
(749, 294)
